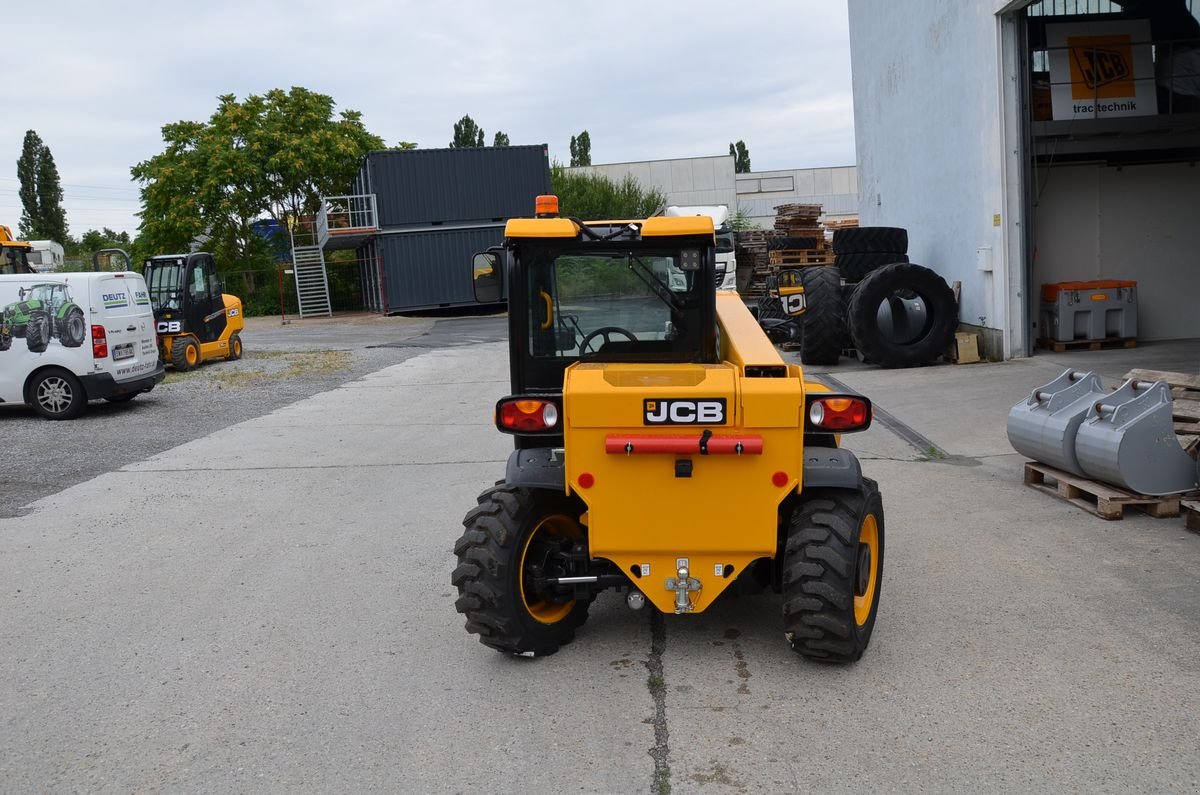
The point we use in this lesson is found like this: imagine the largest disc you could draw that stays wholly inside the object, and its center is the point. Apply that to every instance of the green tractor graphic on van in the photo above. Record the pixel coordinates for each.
(44, 311)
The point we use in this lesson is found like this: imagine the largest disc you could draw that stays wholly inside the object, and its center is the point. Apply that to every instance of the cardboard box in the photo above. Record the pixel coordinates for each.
(966, 347)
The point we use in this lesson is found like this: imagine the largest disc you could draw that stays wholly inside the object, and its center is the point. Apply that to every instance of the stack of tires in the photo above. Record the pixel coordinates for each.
(898, 313)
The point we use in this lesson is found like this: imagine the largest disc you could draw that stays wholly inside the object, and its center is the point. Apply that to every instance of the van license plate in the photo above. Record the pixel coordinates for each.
(123, 351)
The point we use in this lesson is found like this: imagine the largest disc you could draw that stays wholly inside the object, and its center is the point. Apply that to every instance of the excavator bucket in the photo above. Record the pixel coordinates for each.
(1128, 439)
(1043, 426)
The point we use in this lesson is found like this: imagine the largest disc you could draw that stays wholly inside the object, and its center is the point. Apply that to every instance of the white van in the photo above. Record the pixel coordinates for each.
(67, 338)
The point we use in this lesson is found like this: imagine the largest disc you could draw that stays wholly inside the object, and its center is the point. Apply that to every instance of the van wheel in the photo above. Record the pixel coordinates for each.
(235, 347)
(72, 330)
(185, 353)
(37, 332)
(56, 394)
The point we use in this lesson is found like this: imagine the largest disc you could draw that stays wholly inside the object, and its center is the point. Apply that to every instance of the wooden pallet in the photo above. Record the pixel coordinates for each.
(1191, 510)
(1101, 499)
(1090, 345)
(801, 257)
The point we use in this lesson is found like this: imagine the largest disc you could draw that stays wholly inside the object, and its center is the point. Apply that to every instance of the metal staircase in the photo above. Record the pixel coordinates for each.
(312, 284)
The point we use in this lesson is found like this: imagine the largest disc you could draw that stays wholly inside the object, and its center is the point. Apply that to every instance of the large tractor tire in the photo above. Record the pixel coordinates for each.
(71, 330)
(185, 352)
(880, 239)
(6, 338)
(856, 267)
(56, 394)
(833, 572)
(783, 243)
(902, 315)
(824, 318)
(37, 332)
(509, 535)
(235, 347)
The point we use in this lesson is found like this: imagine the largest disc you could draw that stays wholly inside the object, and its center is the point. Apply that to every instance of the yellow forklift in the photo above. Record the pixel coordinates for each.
(196, 321)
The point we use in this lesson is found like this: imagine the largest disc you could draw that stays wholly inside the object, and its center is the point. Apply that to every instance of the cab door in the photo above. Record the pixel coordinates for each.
(205, 308)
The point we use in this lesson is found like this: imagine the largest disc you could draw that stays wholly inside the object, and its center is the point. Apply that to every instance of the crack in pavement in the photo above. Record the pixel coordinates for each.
(661, 783)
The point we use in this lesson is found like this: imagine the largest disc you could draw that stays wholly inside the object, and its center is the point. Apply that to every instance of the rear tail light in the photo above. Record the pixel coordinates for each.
(829, 413)
(99, 343)
(527, 415)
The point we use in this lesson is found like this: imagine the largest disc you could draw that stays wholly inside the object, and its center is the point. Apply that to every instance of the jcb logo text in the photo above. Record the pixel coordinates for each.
(679, 411)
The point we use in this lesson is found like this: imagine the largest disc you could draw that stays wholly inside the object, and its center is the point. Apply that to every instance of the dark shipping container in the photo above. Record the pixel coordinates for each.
(431, 269)
(426, 187)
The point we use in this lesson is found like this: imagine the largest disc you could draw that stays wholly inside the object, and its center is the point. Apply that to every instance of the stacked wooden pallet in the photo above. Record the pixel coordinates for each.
(801, 221)
(752, 251)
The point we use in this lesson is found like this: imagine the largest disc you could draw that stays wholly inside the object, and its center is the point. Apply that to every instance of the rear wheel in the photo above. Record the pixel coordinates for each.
(235, 347)
(513, 537)
(72, 331)
(832, 573)
(185, 352)
(56, 395)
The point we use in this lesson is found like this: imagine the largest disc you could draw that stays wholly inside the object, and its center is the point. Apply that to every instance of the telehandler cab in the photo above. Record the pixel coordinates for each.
(195, 319)
(663, 448)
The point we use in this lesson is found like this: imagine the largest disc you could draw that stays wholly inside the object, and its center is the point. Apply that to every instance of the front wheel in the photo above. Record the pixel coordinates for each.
(235, 347)
(37, 332)
(57, 395)
(832, 573)
(512, 538)
(185, 352)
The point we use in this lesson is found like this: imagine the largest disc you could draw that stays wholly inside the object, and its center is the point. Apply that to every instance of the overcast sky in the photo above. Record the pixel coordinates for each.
(647, 80)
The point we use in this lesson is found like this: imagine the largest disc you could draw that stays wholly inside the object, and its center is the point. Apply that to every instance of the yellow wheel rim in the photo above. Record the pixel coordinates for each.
(190, 353)
(543, 611)
(237, 348)
(868, 535)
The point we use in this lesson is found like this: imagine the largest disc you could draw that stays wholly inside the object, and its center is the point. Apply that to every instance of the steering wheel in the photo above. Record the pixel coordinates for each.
(607, 333)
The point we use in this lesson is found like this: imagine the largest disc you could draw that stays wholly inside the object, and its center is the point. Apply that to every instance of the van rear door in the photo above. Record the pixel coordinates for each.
(122, 303)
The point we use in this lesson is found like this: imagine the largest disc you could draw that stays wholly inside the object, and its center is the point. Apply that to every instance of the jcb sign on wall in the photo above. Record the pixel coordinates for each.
(1101, 70)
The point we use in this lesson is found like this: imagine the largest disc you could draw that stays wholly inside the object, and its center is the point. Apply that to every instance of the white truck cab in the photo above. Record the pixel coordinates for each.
(67, 338)
(726, 259)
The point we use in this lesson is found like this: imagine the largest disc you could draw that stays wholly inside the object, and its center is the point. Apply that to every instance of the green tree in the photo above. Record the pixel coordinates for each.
(595, 196)
(466, 133)
(581, 149)
(404, 146)
(272, 155)
(501, 139)
(42, 213)
(741, 157)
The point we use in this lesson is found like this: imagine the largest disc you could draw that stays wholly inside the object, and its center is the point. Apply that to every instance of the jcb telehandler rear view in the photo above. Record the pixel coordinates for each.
(663, 448)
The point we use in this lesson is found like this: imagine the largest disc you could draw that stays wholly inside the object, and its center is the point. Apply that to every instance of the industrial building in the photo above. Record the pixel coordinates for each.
(1027, 143)
(711, 180)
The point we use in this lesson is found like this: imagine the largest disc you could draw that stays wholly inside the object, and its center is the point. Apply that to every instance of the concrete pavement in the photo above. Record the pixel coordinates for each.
(269, 608)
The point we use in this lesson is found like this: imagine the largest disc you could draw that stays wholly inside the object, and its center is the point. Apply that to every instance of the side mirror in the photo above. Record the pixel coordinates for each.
(487, 278)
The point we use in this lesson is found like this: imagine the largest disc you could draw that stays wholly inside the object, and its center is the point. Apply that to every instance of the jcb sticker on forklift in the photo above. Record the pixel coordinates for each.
(793, 304)
(672, 411)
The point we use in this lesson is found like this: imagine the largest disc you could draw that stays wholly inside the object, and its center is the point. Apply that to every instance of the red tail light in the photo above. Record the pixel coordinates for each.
(830, 413)
(527, 415)
(99, 343)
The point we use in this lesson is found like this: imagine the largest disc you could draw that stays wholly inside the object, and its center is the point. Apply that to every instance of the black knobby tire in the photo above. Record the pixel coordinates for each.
(179, 353)
(56, 394)
(857, 266)
(824, 319)
(926, 343)
(72, 331)
(830, 588)
(6, 338)
(235, 347)
(37, 332)
(883, 239)
(491, 586)
(791, 243)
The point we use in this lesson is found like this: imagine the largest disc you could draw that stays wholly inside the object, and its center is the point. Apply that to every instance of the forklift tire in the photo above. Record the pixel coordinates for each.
(37, 332)
(72, 331)
(832, 573)
(824, 318)
(235, 348)
(185, 353)
(892, 346)
(500, 607)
